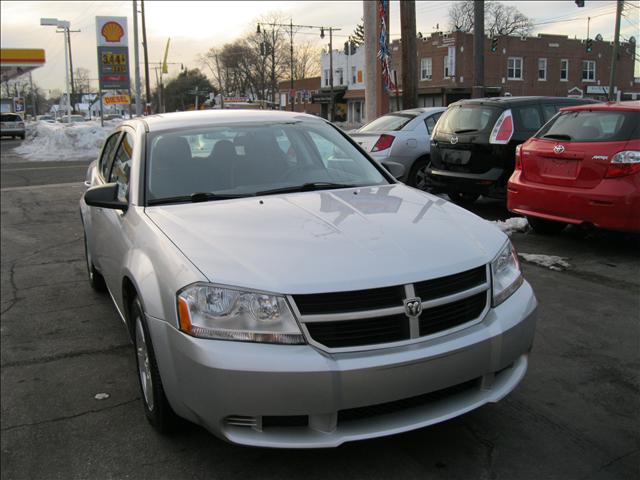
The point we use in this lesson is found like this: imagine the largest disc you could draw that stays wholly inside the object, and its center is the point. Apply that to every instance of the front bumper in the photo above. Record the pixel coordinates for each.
(209, 381)
(612, 204)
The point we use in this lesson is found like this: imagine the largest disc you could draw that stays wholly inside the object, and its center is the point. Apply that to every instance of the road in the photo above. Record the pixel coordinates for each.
(576, 415)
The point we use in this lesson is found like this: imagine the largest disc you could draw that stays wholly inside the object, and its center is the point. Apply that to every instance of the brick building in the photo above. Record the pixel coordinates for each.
(552, 65)
(303, 90)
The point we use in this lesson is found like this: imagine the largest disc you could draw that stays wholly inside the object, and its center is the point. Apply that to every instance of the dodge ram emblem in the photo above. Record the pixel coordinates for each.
(413, 307)
(558, 148)
(454, 140)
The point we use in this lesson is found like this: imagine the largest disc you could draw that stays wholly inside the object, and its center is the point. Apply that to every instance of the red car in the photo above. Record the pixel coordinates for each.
(582, 167)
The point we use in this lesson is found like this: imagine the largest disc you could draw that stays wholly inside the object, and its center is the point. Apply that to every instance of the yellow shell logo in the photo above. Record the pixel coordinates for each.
(112, 32)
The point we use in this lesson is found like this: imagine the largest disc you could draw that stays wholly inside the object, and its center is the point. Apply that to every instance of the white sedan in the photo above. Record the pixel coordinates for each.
(283, 290)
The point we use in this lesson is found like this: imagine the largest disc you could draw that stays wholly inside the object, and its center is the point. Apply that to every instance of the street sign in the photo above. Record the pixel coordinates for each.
(116, 100)
(113, 53)
(18, 105)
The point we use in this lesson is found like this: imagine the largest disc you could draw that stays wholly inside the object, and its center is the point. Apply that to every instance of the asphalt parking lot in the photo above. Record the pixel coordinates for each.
(576, 415)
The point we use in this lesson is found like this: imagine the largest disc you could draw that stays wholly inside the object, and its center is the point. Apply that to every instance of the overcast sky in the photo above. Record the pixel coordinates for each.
(194, 27)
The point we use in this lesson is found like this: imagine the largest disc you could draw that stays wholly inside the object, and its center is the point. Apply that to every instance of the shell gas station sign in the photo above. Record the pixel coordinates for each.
(113, 53)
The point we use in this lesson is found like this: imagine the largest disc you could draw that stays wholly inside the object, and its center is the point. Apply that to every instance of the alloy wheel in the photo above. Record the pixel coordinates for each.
(144, 366)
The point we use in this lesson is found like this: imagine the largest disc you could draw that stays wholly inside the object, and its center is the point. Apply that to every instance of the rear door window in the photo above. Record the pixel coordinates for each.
(548, 111)
(431, 121)
(528, 118)
(592, 126)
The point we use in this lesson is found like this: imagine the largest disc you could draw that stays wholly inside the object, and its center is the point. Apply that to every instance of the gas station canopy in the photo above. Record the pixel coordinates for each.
(16, 61)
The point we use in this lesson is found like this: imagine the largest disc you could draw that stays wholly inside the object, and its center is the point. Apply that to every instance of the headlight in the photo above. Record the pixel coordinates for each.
(505, 273)
(210, 311)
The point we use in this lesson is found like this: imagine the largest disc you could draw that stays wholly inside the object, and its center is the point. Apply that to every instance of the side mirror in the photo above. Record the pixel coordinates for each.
(105, 196)
(395, 169)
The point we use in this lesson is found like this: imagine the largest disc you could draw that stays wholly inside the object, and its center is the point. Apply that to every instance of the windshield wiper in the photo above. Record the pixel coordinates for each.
(196, 197)
(306, 187)
(558, 136)
(466, 130)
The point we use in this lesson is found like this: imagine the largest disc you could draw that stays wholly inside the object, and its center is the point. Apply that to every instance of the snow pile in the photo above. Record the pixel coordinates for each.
(513, 224)
(551, 262)
(101, 396)
(60, 141)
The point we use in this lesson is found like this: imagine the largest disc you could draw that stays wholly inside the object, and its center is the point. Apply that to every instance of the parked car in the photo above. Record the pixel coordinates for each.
(583, 167)
(473, 144)
(402, 138)
(46, 118)
(112, 116)
(74, 119)
(276, 285)
(11, 125)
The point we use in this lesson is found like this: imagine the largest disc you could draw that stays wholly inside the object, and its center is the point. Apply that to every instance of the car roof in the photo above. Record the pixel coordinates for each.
(632, 106)
(169, 121)
(420, 110)
(510, 101)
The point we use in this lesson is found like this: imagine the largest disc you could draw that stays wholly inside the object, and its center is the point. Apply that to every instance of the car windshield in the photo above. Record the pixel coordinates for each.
(388, 123)
(252, 159)
(592, 126)
(466, 118)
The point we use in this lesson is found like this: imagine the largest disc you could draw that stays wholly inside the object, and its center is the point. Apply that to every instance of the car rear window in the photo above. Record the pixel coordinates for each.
(592, 126)
(388, 123)
(10, 117)
(467, 118)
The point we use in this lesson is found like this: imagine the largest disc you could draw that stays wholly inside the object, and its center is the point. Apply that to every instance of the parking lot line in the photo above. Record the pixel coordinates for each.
(40, 187)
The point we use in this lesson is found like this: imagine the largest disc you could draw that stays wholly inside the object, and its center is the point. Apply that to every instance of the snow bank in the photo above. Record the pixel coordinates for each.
(60, 141)
(551, 262)
(513, 224)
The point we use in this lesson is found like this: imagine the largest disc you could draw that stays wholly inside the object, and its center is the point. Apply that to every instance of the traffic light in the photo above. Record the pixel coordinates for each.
(346, 48)
(580, 3)
(589, 45)
(494, 44)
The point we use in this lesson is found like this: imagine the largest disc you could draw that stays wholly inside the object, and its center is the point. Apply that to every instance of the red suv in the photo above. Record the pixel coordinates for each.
(582, 167)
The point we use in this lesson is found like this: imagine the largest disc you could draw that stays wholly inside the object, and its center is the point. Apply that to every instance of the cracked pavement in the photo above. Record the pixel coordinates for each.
(576, 414)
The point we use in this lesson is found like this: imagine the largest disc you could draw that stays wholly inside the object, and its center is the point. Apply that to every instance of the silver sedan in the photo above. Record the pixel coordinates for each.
(402, 139)
(277, 289)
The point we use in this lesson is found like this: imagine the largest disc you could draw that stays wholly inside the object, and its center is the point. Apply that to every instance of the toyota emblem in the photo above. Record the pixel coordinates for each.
(413, 307)
(558, 148)
(454, 140)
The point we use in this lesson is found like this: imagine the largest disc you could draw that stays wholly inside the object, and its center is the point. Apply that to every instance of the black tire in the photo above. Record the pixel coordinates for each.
(156, 406)
(418, 177)
(545, 227)
(96, 280)
(463, 199)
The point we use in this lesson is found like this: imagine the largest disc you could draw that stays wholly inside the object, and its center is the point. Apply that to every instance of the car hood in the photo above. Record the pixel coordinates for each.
(325, 241)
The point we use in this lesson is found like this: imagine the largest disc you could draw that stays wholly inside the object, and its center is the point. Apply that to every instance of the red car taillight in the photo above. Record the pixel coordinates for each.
(503, 129)
(623, 164)
(518, 165)
(383, 142)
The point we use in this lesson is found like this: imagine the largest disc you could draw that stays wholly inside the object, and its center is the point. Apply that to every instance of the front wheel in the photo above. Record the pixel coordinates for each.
(463, 199)
(418, 176)
(156, 406)
(545, 227)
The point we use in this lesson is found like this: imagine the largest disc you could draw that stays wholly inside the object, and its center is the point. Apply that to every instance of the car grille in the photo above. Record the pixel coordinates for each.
(359, 318)
(389, 408)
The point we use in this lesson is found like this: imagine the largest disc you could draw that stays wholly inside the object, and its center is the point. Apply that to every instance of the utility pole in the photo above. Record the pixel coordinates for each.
(478, 49)
(136, 56)
(371, 60)
(333, 102)
(293, 99)
(73, 88)
(409, 54)
(616, 41)
(146, 56)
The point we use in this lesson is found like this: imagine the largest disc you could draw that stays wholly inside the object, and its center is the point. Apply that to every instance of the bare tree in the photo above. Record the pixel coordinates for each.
(306, 58)
(81, 81)
(500, 19)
